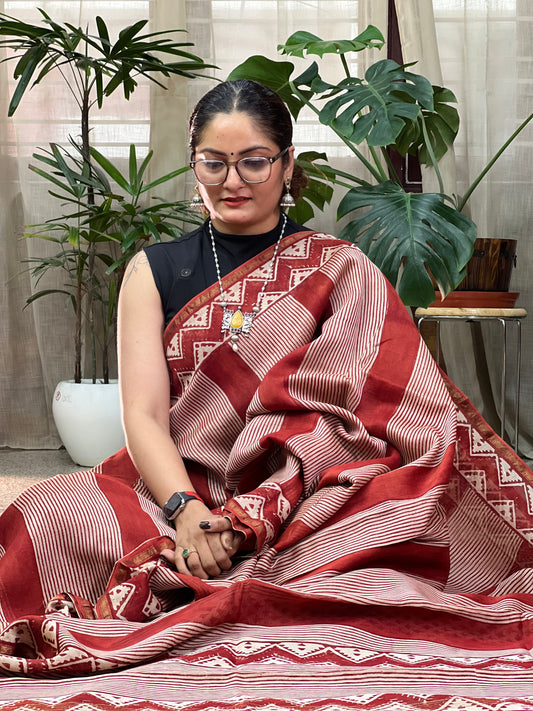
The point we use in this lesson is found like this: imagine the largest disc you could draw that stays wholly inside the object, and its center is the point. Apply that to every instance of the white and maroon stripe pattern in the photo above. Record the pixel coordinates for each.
(334, 439)
(318, 383)
(287, 676)
(79, 526)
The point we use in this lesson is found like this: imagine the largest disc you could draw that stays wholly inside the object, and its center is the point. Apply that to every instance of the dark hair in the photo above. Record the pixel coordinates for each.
(262, 104)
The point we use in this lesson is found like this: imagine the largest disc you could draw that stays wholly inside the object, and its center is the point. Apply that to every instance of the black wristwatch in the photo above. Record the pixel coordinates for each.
(177, 503)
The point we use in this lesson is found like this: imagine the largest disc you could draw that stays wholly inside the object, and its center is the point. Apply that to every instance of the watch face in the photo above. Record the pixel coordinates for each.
(174, 505)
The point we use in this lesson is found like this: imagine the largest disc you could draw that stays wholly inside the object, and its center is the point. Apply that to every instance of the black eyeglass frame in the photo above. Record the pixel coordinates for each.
(271, 160)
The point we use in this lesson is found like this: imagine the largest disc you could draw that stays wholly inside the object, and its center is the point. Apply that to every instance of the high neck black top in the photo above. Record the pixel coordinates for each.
(185, 267)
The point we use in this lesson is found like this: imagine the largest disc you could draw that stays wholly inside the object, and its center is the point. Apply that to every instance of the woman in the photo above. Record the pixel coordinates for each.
(242, 156)
(243, 160)
(308, 475)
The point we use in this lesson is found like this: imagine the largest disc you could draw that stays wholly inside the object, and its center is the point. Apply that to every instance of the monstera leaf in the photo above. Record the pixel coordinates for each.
(319, 189)
(302, 43)
(389, 107)
(377, 108)
(411, 237)
(441, 126)
(275, 75)
(418, 240)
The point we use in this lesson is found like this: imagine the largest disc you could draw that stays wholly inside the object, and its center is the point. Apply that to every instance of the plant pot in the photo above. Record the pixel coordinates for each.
(87, 417)
(491, 265)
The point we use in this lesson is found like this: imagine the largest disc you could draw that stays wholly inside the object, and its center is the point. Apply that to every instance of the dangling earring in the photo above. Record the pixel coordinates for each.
(287, 200)
(197, 202)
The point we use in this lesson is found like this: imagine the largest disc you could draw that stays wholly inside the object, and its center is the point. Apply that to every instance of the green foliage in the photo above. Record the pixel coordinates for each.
(100, 227)
(417, 240)
(410, 235)
(103, 66)
(319, 190)
(391, 97)
(441, 124)
(303, 43)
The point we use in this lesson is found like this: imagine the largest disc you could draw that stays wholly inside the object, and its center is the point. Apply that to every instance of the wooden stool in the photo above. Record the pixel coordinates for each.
(501, 316)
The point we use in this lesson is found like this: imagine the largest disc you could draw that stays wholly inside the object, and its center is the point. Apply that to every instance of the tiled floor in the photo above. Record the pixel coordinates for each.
(20, 468)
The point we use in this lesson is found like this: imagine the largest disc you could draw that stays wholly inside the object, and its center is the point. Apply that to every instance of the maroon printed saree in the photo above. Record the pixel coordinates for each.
(387, 528)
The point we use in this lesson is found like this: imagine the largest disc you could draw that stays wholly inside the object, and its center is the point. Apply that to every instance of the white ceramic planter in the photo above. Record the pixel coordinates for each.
(87, 417)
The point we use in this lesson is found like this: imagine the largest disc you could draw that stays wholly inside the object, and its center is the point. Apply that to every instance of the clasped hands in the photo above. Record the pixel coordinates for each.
(205, 543)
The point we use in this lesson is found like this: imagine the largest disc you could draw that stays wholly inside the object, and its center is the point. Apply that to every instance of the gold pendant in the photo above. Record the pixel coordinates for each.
(236, 320)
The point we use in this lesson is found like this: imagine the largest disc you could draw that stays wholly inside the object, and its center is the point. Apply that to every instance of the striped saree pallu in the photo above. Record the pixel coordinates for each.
(380, 513)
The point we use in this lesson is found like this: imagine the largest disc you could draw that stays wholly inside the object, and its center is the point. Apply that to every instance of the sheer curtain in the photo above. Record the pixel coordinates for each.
(36, 343)
(36, 347)
(485, 55)
(479, 48)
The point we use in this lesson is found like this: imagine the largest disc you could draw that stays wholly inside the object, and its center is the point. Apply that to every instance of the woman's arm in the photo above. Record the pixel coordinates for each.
(145, 396)
(144, 383)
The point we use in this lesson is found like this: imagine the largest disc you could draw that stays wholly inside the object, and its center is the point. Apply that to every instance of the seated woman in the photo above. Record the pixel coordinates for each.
(294, 457)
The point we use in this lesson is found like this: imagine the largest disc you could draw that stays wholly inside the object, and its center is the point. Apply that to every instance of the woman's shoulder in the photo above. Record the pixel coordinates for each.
(167, 258)
(333, 248)
(325, 239)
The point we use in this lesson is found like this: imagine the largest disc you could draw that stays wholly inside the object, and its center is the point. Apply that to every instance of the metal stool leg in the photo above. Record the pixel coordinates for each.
(516, 317)
(503, 381)
(517, 382)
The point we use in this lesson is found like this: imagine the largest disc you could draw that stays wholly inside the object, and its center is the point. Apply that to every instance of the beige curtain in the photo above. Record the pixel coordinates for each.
(485, 52)
(36, 343)
(484, 55)
(36, 349)
(169, 108)
(34, 340)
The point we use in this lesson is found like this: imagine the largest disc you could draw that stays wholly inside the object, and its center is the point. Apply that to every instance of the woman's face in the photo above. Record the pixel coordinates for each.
(237, 207)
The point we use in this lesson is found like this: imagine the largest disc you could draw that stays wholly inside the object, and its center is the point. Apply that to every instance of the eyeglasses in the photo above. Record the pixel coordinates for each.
(253, 169)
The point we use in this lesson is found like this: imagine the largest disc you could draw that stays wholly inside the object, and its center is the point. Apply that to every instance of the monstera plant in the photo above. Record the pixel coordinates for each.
(419, 240)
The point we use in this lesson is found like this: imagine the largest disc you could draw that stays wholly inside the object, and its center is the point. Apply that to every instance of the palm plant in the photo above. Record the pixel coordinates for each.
(101, 233)
(103, 226)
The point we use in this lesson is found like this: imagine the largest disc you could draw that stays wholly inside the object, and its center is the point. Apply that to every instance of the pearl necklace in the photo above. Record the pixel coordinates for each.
(238, 322)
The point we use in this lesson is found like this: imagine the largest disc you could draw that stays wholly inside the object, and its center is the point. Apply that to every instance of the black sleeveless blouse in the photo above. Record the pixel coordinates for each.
(185, 267)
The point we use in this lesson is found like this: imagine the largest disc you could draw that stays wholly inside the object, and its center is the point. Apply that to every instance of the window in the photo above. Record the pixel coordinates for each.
(48, 113)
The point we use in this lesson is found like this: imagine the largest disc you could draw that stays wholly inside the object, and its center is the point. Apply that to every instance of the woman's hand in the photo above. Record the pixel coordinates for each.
(231, 540)
(208, 549)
